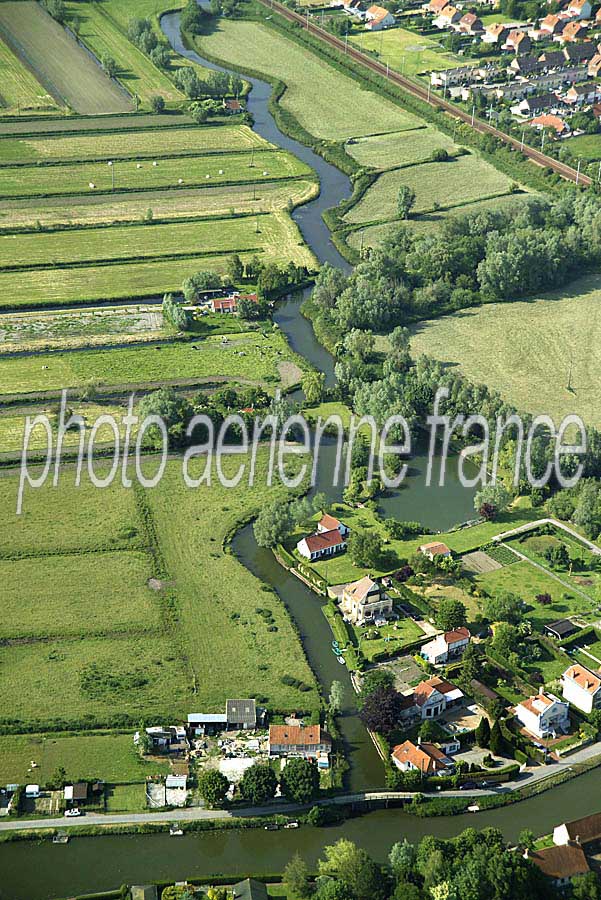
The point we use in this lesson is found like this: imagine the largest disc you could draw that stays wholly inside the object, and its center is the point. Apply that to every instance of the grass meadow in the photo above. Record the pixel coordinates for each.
(535, 342)
(409, 53)
(384, 151)
(12, 427)
(19, 89)
(60, 61)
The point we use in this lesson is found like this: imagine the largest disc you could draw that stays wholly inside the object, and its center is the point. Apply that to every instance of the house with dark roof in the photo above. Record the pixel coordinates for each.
(560, 864)
(250, 889)
(580, 52)
(563, 628)
(582, 832)
(532, 106)
(579, 94)
(241, 715)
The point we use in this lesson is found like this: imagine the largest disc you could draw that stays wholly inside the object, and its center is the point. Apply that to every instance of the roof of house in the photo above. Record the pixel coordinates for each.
(359, 590)
(425, 689)
(516, 36)
(574, 30)
(298, 735)
(550, 22)
(377, 13)
(426, 757)
(434, 547)
(584, 678)
(233, 104)
(578, 52)
(582, 89)
(79, 791)
(546, 120)
(220, 304)
(542, 101)
(250, 889)
(470, 18)
(562, 627)
(207, 719)
(449, 12)
(553, 58)
(240, 712)
(323, 540)
(578, 4)
(537, 704)
(496, 29)
(437, 5)
(458, 634)
(560, 862)
(329, 522)
(596, 60)
(586, 829)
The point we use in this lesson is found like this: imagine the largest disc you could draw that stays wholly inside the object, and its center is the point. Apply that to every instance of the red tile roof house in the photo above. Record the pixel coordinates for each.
(580, 9)
(518, 41)
(448, 17)
(560, 864)
(430, 699)
(495, 34)
(574, 31)
(328, 523)
(594, 66)
(230, 304)
(378, 18)
(434, 548)
(552, 24)
(326, 543)
(449, 645)
(435, 6)
(422, 757)
(470, 24)
(547, 120)
(298, 740)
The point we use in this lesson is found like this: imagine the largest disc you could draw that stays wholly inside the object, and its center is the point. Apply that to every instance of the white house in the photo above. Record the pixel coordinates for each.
(434, 548)
(422, 757)
(579, 9)
(581, 687)
(378, 18)
(324, 544)
(544, 715)
(446, 646)
(579, 831)
(364, 602)
(430, 699)
(329, 523)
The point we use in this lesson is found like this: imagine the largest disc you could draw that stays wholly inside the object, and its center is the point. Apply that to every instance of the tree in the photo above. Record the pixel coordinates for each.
(450, 614)
(213, 787)
(300, 780)
(175, 315)
(351, 866)
(258, 784)
(381, 710)
(59, 778)
(365, 548)
(329, 284)
(402, 858)
(313, 384)
(273, 524)
(336, 698)
(192, 17)
(175, 412)
(504, 607)
(374, 679)
(483, 732)
(526, 839)
(157, 103)
(109, 64)
(491, 500)
(586, 887)
(235, 268)
(199, 113)
(296, 877)
(497, 742)
(200, 281)
(427, 730)
(405, 201)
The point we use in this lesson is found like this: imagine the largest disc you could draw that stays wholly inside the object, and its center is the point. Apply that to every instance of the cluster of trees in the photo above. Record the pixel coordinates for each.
(278, 518)
(141, 33)
(299, 783)
(580, 504)
(216, 84)
(175, 315)
(57, 9)
(476, 865)
(271, 280)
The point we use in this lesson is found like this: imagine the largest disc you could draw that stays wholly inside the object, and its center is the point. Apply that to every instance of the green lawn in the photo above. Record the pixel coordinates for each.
(383, 151)
(76, 178)
(91, 593)
(250, 355)
(392, 638)
(107, 756)
(407, 52)
(586, 145)
(20, 91)
(450, 183)
(536, 343)
(153, 143)
(325, 102)
(125, 798)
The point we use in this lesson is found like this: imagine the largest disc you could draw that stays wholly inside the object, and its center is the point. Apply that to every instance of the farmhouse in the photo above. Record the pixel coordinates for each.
(229, 304)
(323, 544)
(560, 864)
(449, 645)
(581, 687)
(308, 741)
(329, 523)
(76, 793)
(430, 699)
(364, 602)
(544, 715)
(423, 757)
(434, 549)
(586, 830)
(378, 18)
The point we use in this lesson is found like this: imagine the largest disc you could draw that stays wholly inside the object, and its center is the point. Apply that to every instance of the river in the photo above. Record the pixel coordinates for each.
(41, 870)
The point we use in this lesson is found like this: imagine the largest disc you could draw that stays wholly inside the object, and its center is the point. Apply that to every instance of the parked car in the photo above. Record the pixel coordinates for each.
(71, 813)
(468, 786)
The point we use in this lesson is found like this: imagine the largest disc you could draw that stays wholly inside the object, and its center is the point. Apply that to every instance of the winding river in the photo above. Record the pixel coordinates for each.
(41, 871)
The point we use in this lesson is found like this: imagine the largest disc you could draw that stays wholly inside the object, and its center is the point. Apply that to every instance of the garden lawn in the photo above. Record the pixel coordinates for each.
(93, 679)
(108, 756)
(91, 593)
(393, 638)
(536, 342)
(228, 643)
(76, 178)
(249, 355)
(59, 61)
(153, 143)
(452, 183)
(383, 151)
(407, 52)
(20, 91)
(326, 103)
(125, 798)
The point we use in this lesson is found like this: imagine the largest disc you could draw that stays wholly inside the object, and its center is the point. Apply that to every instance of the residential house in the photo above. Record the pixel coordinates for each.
(76, 794)
(423, 757)
(574, 31)
(170, 739)
(552, 25)
(586, 830)
(544, 715)
(229, 304)
(353, 8)
(449, 16)
(456, 75)
(250, 889)
(470, 24)
(579, 94)
(581, 687)
(560, 864)
(430, 699)
(435, 6)
(324, 544)
(329, 523)
(449, 645)
(547, 120)
(518, 41)
(241, 715)
(308, 741)
(532, 106)
(563, 628)
(582, 52)
(378, 18)
(579, 9)
(553, 59)
(364, 602)
(232, 107)
(594, 66)
(495, 34)
(434, 549)
(525, 66)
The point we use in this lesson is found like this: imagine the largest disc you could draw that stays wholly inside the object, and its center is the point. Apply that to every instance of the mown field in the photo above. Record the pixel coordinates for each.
(325, 102)
(249, 355)
(407, 52)
(75, 125)
(19, 90)
(452, 183)
(535, 343)
(383, 151)
(76, 178)
(586, 145)
(21, 331)
(12, 427)
(140, 143)
(59, 61)
(96, 209)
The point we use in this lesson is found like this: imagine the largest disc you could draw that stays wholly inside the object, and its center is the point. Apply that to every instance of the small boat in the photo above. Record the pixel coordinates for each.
(272, 827)
(335, 645)
(61, 837)
(473, 808)
(291, 825)
(342, 660)
(175, 831)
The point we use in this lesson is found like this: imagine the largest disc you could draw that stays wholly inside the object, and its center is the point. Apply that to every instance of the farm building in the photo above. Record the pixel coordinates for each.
(308, 741)
(318, 546)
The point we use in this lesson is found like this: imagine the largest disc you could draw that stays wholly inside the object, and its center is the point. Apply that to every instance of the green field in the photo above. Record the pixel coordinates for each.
(249, 355)
(19, 90)
(383, 151)
(26, 181)
(453, 183)
(140, 143)
(135, 71)
(108, 756)
(12, 427)
(22, 331)
(325, 102)
(586, 145)
(77, 595)
(60, 61)
(535, 343)
(407, 52)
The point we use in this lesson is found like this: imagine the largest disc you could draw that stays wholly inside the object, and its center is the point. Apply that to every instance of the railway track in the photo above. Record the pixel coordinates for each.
(426, 96)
